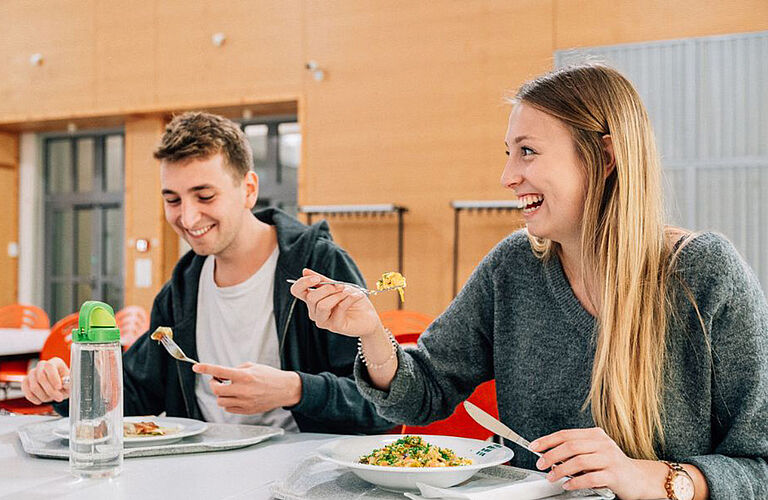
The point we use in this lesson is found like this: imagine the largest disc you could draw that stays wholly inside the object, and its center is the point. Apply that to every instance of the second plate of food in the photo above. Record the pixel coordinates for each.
(440, 461)
(138, 431)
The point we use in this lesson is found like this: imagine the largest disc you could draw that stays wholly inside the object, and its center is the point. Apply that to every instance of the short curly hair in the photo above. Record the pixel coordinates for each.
(200, 135)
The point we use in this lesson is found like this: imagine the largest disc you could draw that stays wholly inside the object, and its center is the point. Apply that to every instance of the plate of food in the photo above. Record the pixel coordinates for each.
(398, 462)
(138, 431)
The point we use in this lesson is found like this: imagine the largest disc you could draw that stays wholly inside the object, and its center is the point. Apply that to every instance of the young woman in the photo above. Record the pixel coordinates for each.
(615, 341)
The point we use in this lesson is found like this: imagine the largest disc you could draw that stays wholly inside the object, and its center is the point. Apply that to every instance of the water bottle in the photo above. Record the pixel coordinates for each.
(96, 394)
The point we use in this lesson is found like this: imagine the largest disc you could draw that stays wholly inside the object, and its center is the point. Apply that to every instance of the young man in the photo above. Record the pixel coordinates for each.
(229, 304)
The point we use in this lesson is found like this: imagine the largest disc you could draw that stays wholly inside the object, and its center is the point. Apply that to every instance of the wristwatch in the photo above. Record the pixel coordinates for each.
(679, 484)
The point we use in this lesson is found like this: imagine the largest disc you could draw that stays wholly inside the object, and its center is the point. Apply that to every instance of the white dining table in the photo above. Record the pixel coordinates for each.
(233, 474)
(15, 341)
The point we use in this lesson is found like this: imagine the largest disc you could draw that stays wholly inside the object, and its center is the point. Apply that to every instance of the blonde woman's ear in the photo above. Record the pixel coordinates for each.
(610, 159)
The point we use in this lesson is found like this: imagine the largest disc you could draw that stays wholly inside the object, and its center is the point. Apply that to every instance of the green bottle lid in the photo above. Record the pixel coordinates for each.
(97, 324)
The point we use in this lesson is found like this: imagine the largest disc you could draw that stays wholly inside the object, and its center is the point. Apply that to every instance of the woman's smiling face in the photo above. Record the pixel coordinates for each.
(544, 171)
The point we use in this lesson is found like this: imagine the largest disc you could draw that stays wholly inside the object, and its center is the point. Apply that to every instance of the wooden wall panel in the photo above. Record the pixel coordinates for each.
(9, 150)
(143, 207)
(124, 55)
(170, 246)
(64, 33)
(144, 56)
(585, 23)
(9, 218)
(411, 112)
(261, 57)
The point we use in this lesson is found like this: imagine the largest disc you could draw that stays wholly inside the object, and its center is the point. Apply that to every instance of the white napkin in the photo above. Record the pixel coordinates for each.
(530, 488)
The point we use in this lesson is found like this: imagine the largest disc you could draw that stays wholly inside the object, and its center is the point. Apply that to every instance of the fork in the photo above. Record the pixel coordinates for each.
(174, 350)
(353, 285)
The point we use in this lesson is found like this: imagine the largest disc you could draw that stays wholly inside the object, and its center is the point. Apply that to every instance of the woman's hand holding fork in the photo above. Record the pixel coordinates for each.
(347, 310)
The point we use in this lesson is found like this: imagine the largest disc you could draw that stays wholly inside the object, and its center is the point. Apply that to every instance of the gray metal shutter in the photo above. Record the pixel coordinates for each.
(708, 101)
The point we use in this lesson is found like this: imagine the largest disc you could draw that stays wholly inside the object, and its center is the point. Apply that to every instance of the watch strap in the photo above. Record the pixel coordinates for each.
(674, 469)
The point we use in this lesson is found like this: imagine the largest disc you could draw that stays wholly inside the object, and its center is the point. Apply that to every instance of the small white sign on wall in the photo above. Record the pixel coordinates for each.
(142, 273)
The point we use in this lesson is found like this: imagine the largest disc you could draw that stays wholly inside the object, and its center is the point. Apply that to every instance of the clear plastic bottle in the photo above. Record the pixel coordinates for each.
(96, 394)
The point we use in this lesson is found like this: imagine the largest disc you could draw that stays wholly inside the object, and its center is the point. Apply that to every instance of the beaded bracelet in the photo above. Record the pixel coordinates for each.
(377, 366)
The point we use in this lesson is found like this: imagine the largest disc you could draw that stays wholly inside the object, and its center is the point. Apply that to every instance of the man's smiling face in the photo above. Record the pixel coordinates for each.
(205, 204)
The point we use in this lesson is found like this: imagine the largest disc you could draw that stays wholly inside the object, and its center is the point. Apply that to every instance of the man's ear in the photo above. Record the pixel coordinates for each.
(251, 182)
(610, 159)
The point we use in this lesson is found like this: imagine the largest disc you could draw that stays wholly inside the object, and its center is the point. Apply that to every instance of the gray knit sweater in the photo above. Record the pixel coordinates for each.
(518, 321)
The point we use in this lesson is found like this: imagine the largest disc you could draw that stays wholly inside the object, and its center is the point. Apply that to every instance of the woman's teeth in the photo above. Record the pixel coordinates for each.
(530, 202)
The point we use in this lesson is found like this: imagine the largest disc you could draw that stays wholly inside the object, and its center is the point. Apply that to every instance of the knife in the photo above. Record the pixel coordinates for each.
(495, 426)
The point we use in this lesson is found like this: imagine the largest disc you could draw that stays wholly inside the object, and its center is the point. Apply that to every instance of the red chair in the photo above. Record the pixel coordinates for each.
(59, 342)
(460, 423)
(132, 321)
(406, 326)
(23, 406)
(57, 345)
(19, 316)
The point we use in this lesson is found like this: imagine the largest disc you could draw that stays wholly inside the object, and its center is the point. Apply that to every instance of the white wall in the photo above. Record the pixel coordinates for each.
(31, 222)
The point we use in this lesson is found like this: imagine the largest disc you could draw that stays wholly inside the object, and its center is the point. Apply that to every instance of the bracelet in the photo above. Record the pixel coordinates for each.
(377, 366)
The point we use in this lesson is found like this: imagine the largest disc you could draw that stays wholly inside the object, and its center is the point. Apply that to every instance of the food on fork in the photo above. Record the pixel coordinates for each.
(162, 331)
(413, 451)
(392, 281)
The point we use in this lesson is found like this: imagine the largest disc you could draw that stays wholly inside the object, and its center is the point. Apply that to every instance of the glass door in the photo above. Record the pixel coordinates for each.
(276, 145)
(83, 221)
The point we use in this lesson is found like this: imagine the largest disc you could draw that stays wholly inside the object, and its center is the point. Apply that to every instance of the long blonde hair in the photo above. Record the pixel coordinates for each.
(624, 248)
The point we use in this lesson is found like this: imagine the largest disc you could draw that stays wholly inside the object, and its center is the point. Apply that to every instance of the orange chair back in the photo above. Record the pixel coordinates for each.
(23, 316)
(406, 326)
(460, 423)
(19, 316)
(59, 341)
(132, 321)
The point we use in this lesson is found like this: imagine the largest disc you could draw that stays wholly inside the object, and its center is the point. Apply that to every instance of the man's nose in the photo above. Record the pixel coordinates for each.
(511, 176)
(189, 215)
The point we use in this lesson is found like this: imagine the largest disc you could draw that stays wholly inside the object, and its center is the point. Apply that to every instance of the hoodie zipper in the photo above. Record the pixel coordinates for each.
(183, 392)
(285, 328)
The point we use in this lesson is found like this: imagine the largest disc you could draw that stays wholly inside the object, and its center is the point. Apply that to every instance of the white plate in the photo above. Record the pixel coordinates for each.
(182, 427)
(347, 452)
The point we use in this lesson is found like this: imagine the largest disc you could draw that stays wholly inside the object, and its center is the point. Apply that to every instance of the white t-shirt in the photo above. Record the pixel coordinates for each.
(236, 324)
